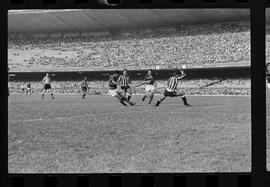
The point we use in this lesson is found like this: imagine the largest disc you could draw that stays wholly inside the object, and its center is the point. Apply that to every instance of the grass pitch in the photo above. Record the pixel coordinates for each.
(99, 135)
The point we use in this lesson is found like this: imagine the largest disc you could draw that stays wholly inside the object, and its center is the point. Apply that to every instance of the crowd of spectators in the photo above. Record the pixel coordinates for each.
(191, 87)
(186, 45)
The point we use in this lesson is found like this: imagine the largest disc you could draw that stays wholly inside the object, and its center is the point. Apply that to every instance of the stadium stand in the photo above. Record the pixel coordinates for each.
(207, 44)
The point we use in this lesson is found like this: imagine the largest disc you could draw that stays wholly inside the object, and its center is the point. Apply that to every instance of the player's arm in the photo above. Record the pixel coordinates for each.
(183, 74)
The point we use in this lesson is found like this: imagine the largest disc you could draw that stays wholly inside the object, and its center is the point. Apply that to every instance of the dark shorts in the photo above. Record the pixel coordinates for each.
(169, 94)
(125, 88)
(84, 89)
(47, 86)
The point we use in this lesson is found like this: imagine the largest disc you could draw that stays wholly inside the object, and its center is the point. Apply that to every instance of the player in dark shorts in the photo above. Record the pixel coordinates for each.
(47, 85)
(149, 87)
(84, 86)
(170, 89)
(124, 81)
(116, 92)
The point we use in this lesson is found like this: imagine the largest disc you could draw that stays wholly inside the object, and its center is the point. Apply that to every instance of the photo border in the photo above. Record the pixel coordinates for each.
(257, 177)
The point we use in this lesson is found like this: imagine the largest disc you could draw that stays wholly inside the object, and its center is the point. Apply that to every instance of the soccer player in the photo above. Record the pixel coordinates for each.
(84, 86)
(170, 89)
(150, 86)
(124, 81)
(116, 92)
(28, 88)
(47, 85)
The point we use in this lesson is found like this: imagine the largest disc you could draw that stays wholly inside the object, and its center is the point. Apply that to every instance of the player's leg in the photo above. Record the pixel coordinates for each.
(146, 93)
(144, 96)
(121, 99)
(151, 94)
(183, 96)
(160, 100)
(128, 91)
(151, 97)
(43, 93)
(83, 93)
(163, 98)
(51, 92)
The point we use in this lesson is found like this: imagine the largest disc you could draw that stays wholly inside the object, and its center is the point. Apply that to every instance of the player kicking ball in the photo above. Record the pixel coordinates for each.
(47, 85)
(124, 81)
(149, 87)
(170, 89)
(116, 92)
(85, 87)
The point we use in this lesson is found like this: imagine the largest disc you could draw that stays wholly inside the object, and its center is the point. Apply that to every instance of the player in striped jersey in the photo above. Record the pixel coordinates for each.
(124, 81)
(170, 89)
(116, 92)
(150, 86)
(84, 86)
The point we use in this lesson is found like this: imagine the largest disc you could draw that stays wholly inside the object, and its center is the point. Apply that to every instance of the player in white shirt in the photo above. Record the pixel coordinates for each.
(47, 85)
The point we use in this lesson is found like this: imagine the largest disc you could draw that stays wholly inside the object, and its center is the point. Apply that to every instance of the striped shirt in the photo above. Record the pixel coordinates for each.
(173, 82)
(124, 80)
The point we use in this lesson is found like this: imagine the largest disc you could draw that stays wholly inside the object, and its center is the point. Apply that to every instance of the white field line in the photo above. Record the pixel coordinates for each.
(89, 115)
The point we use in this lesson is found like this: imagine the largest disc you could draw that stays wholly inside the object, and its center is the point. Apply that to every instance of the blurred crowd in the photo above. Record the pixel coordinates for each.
(190, 87)
(184, 45)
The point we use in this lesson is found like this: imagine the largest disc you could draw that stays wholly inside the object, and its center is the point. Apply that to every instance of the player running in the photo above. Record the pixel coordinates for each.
(116, 92)
(47, 85)
(124, 81)
(150, 86)
(84, 86)
(28, 88)
(171, 87)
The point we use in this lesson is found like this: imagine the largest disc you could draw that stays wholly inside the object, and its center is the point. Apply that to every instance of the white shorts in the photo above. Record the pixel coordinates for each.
(28, 89)
(114, 92)
(149, 88)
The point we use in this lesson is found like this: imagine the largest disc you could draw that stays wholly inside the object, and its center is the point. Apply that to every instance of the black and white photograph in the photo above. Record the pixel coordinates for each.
(130, 90)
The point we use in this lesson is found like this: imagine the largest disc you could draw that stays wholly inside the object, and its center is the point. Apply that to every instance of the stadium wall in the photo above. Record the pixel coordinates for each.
(163, 74)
